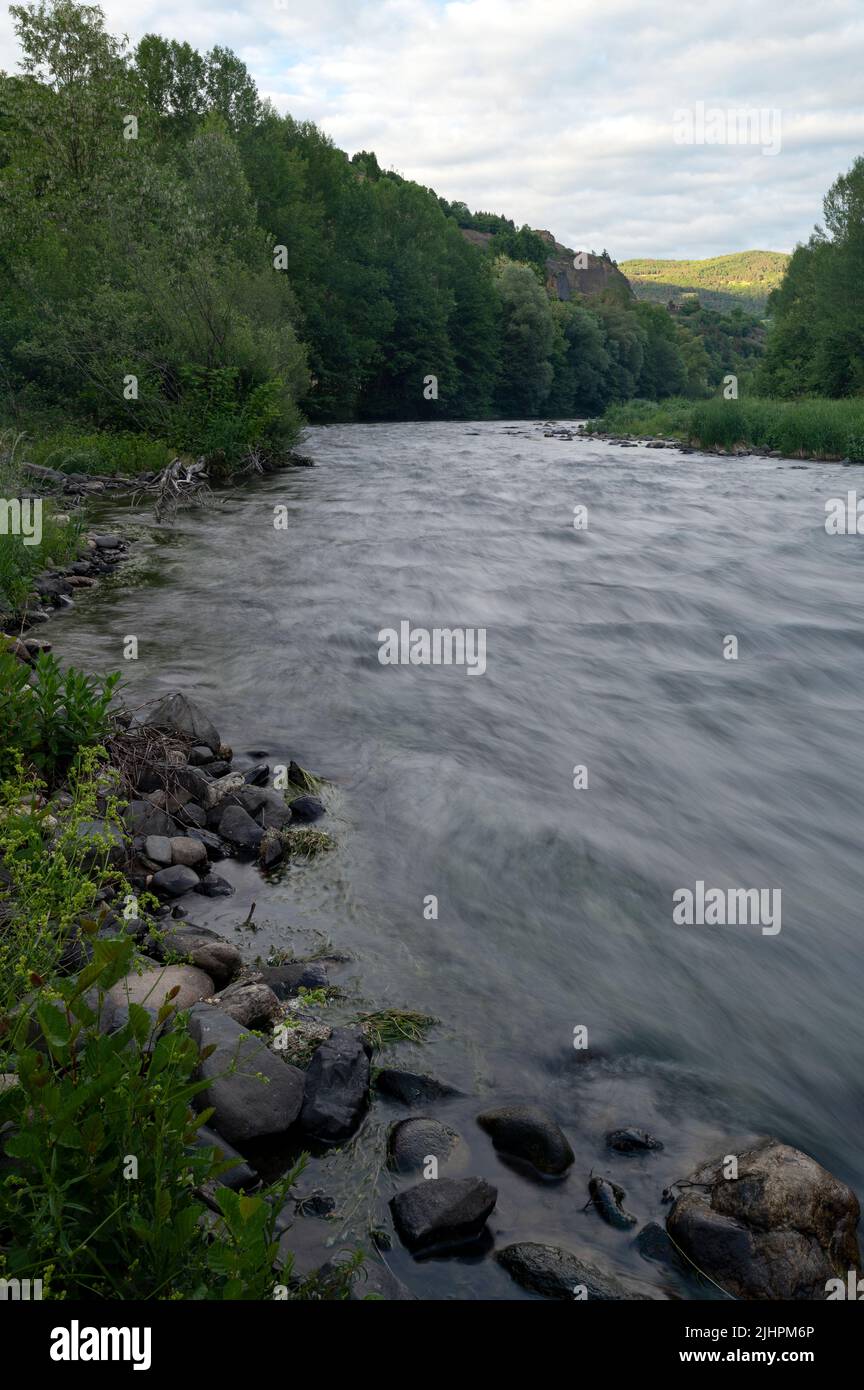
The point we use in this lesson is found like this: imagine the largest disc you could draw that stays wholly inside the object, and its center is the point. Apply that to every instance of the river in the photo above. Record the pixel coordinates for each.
(604, 649)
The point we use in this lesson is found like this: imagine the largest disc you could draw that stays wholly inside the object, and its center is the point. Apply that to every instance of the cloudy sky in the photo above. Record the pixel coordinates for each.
(562, 113)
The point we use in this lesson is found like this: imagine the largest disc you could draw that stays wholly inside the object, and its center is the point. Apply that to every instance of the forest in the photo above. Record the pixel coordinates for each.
(181, 263)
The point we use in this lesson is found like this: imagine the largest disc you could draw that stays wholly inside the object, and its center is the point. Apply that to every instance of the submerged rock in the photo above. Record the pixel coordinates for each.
(443, 1211)
(608, 1198)
(253, 1092)
(557, 1273)
(412, 1088)
(529, 1133)
(286, 980)
(214, 886)
(307, 808)
(411, 1142)
(780, 1230)
(337, 1086)
(629, 1141)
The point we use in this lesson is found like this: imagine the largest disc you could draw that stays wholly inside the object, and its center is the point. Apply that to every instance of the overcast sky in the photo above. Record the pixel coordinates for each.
(561, 113)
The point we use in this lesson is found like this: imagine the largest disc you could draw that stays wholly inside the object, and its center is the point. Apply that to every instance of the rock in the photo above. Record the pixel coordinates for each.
(215, 847)
(219, 958)
(108, 543)
(174, 882)
(151, 986)
(287, 980)
(214, 886)
(253, 1005)
(557, 1273)
(272, 848)
(158, 848)
(177, 714)
(240, 830)
(780, 1230)
(337, 1086)
(529, 1133)
(257, 776)
(185, 850)
(104, 842)
(442, 1211)
(630, 1141)
(200, 755)
(608, 1198)
(307, 808)
(654, 1244)
(254, 1093)
(411, 1142)
(274, 813)
(221, 792)
(143, 818)
(192, 816)
(240, 1177)
(412, 1088)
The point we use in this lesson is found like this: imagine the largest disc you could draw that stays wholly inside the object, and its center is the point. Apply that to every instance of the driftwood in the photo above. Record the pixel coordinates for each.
(180, 484)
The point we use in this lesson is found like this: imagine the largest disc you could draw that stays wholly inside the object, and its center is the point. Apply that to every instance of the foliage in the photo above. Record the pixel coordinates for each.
(816, 343)
(742, 280)
(47, 721)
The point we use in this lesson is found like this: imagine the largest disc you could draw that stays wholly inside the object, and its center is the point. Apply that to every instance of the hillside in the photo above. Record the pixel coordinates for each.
(743, 279)
(563, 279)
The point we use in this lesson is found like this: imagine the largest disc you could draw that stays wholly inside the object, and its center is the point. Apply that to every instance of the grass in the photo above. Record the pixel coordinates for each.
(811, 428)
(60, 539)
(384, 1027)
(98, 452)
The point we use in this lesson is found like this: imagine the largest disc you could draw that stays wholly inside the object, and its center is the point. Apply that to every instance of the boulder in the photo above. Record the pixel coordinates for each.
(218, 958)
(557, 1273)
(240, 1177)
(158, 848)
(103, 842)
(411, 1142)
(143, 818)
(240, 830)
(214, 886)
(151, 987)
(307, 808)
(185, 850)
(253, 1005)
(780, 1230)
(253, 1092)
(174, 882)
(528, 1133)
(337, 1086)
(442, 1211)
(215, 847)
(176, 714)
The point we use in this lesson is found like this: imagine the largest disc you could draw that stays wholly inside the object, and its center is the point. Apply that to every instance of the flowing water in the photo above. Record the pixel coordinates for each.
(604, 648)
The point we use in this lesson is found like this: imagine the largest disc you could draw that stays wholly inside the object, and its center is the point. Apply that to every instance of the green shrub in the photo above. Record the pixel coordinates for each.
(71, 451)
(46, 723)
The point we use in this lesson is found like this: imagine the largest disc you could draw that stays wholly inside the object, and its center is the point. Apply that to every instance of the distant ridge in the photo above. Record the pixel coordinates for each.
(743, 279)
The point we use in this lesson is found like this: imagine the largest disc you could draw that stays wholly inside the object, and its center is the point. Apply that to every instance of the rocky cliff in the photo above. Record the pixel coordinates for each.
(563, 279)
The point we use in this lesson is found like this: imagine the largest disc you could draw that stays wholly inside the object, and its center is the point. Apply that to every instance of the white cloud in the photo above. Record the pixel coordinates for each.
(559, 112)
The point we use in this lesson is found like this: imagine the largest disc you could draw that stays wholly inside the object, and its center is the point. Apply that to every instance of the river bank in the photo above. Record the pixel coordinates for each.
(819, 429)
(536, 1211)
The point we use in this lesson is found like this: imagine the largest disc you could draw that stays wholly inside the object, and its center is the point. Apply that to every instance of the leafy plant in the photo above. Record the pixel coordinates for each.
(49, 720)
